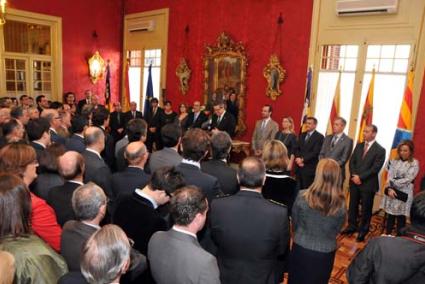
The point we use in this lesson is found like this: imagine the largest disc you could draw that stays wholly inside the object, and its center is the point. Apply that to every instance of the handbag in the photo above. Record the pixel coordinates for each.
(400, 195)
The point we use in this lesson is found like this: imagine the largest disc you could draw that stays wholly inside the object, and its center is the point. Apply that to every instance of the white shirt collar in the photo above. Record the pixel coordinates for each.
(76, 181)
(39, 143)
(267, 120)
(184, 232)
(252, 190)
(193, 163)
(52, 129)
(144, 195)
(91, 225)
(94, 151)
(137, 167)
(79, 135)
(311, 132)
(338, 136)
(370, 142)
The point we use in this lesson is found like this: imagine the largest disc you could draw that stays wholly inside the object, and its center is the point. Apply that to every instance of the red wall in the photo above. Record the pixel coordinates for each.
(254, 23)
(79, 19)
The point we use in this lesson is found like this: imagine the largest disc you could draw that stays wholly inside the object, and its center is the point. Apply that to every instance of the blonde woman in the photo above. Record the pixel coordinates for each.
(287, 136)
(279, 186)
(318, 215)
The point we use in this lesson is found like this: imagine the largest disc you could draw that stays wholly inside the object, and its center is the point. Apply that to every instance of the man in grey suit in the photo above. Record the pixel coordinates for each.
(168, 156)
(265, 130)
(337, 146)
(175, 256)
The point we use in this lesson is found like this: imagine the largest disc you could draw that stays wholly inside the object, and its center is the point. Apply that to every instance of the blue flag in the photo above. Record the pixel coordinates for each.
(108, 86)
(149, 94)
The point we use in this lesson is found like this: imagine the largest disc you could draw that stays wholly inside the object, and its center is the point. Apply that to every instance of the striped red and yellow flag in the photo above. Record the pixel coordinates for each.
(125, 99)
(335, 109)
(367, 113)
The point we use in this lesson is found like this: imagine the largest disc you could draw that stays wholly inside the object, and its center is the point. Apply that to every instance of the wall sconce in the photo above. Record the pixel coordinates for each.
(2, 12)
(96, 67)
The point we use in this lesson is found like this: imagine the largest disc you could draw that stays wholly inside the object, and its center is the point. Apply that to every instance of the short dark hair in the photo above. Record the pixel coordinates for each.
(168, 179)
(38, 98)
(9, 126)
(312, 118)
(220, 145)
(37, 127)
(17, 112)
(374, 128)
(251, 173)
(154, 100)
(342, 120)
(48, 160)
(417, 211)
(167, 102)
(195, 144)
(185, 203)
(23, 97)
(270, 108)
(15, 206)
(100, 115)
(78, 123)
(56, 105)
(136, 128)
(170, 134)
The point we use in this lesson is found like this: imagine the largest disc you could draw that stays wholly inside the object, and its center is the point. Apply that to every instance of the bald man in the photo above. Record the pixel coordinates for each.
(71, 168)
(134, 176)
(97, 170)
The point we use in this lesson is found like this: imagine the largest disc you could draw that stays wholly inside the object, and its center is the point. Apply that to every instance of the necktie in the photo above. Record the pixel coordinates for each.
(218, 120)
(263, 125)
(195, 117)
(134, 114)
(365, 149)
(334, 139)
(307, 137)
(119, 118)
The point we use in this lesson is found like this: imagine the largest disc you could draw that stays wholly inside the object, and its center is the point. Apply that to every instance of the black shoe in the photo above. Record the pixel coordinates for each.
(348, 231)
(360, 237)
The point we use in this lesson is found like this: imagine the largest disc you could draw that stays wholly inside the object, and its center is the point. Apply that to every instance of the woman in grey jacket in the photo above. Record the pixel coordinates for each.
(317, 217)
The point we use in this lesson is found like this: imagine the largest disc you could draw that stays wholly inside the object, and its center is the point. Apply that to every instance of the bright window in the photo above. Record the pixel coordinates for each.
(152, 57)
(134, 75)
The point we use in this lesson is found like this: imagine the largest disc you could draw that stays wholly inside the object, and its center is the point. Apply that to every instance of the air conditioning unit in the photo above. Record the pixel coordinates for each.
(141, 26)
(365, 7)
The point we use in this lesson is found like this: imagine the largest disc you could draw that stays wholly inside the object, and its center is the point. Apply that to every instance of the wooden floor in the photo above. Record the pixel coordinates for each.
(348, 248)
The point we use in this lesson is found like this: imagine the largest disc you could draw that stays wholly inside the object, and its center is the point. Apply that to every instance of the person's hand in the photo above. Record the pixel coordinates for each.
(392, 193)
(120, 130)
(299, 162)
(356, 180)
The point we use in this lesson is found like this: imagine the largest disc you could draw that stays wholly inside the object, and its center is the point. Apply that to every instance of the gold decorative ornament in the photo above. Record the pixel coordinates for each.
(274, 74)
(2, 12)
(225, 76)
(96, 67)
(183, 73)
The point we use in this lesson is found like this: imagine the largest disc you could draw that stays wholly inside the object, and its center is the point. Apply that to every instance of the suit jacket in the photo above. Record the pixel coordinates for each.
(75, 143)
(251, 234)
(38, 149)
(139, 220)
(261, 136)
(191, 123)
(81, 104)
(193, 176)
(153, 120)
(340, 152)
(44, 182)
(225, 174)
(367, 168)
(227, 123)
(98, 172)
(128, 116)
(125, 182)
(176, 257)
(309, 150)
(117, 120)
(74, 235)
(59, 198)
(56, 138)
(108, 153)
(165, 157)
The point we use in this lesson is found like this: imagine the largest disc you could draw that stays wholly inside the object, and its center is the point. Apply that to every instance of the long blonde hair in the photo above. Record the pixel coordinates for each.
(325, 193)
(291, 121)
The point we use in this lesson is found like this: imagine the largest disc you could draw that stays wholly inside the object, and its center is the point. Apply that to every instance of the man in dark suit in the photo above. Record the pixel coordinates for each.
(175, 256)
(117, 122)
(89, 204)
(223, 120)
(86, 101)
(101, 119)
(39, 135)
(76, 141)
(138, 213)
(97, 170)
(221, 143)
(365, 164)
(154, 126)
(307, 153)
(55, 121)
(259, 257)
(133, 113)
(71, 168)
(195, 144)
(169, 155)
(134, 176)
(337, 146)
(196, 118)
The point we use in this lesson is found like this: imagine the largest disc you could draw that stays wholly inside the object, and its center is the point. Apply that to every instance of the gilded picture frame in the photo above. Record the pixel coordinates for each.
(183, 73)
(274, 74)
(225, 66)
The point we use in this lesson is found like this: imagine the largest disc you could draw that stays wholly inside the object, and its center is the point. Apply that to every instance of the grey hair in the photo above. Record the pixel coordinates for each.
(92, 138)
(87, 200)
(105, 254)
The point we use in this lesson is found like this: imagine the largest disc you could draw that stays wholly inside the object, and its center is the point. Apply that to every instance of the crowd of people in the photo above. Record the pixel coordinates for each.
(89, 196)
